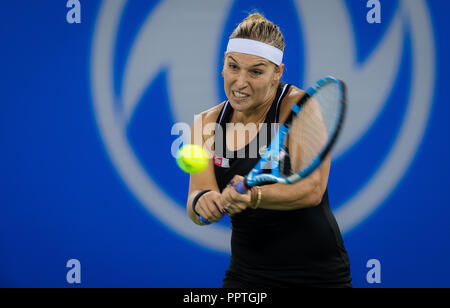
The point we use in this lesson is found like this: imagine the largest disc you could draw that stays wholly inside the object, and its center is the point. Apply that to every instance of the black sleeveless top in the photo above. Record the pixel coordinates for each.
(271, 248)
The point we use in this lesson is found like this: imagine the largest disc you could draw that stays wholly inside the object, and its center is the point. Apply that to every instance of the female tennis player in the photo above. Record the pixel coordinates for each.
(282, 235)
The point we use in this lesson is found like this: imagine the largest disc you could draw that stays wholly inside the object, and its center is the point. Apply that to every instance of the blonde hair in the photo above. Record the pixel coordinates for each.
(257, 27)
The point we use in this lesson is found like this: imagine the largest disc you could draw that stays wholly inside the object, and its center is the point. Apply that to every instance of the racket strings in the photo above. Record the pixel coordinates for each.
(311, 129)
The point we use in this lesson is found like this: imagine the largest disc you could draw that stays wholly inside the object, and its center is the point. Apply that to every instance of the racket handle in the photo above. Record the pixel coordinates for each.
(240, 188)
(204, 220)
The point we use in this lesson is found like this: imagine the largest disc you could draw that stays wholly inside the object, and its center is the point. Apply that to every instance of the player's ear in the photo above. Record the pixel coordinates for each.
(277, 74)
(279, 71)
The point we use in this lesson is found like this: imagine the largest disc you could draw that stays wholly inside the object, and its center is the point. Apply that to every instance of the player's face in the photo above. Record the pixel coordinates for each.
(249, 80)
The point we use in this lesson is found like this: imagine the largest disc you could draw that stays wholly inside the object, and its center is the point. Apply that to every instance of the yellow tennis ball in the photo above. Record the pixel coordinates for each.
(192, 158)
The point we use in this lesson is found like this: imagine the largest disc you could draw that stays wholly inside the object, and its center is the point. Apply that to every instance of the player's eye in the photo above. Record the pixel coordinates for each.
(233, 66)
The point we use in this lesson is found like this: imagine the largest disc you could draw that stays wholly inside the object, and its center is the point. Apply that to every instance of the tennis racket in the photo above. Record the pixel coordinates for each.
(304, 140)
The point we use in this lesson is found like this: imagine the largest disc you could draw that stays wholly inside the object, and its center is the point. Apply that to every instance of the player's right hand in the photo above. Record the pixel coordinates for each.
(208, 206)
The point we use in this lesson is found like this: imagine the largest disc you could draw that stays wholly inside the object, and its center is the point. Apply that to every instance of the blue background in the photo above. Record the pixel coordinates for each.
(61, 197)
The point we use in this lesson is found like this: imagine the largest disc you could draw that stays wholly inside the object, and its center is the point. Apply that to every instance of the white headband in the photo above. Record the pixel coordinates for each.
(256, 48)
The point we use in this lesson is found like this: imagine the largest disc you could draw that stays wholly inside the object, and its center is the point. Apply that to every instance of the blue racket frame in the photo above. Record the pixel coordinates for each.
(255, 177)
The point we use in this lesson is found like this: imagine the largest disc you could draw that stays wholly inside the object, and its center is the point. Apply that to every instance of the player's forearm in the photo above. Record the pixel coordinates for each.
(307, 193)
(194, 217)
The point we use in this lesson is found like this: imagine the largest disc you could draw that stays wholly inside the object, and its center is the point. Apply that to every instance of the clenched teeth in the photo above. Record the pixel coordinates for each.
(239, 94)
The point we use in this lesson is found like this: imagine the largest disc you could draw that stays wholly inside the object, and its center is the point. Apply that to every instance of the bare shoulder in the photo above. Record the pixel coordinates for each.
(211, 115)
(203, 120)
(292, 98)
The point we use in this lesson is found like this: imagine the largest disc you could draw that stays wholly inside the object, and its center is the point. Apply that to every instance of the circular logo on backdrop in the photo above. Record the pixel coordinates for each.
(186, 41)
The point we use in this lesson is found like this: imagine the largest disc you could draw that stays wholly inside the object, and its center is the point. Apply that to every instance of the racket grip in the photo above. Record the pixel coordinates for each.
(204, 220)
(240, 188)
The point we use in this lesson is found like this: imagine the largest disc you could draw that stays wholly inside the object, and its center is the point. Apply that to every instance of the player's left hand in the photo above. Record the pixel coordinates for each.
(232, 201)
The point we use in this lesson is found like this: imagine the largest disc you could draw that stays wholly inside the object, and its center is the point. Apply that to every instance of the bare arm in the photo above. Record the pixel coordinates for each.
(306, 193)
(205, 180)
